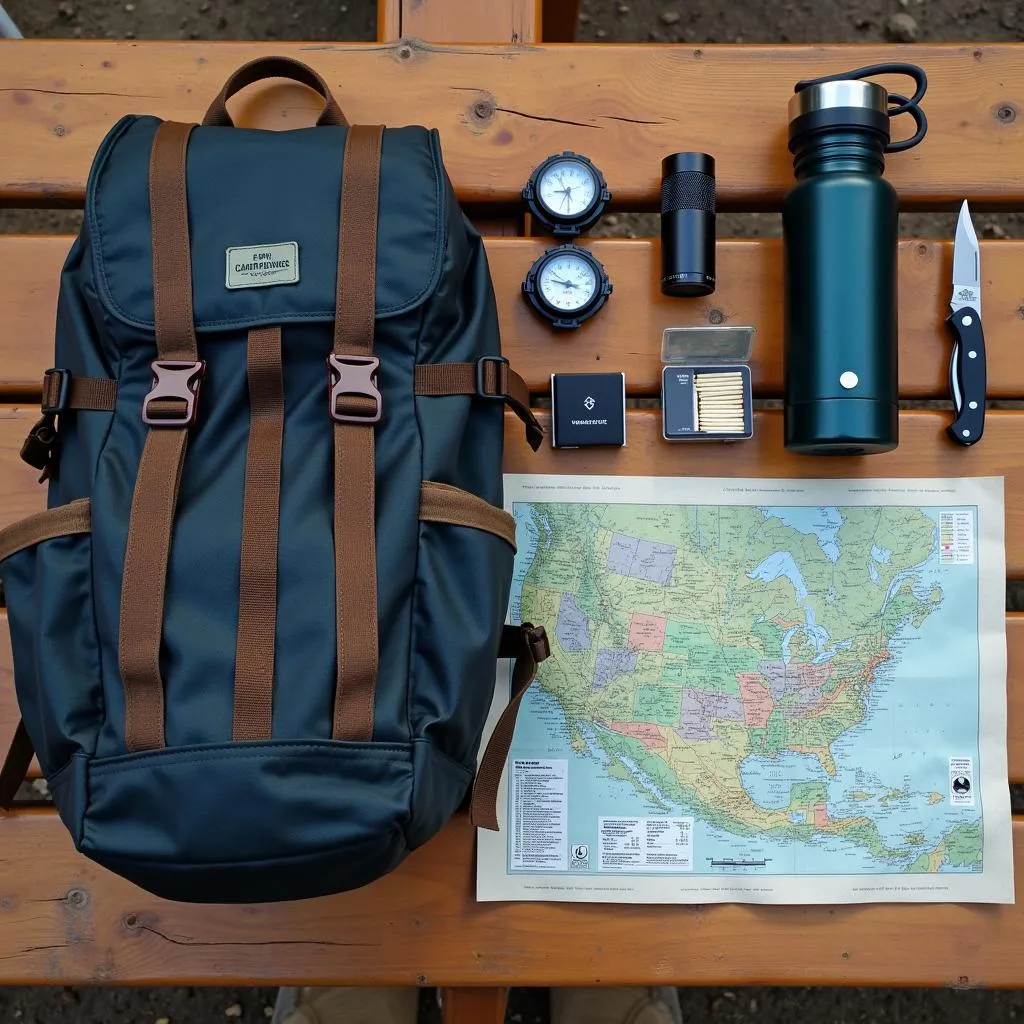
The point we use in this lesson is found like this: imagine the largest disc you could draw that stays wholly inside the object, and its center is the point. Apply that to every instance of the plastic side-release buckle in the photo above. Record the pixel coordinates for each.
(173, 399)
(351, 379)
(40, 446)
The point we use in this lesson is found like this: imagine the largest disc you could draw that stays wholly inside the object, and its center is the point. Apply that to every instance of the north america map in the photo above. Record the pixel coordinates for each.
(753, 699)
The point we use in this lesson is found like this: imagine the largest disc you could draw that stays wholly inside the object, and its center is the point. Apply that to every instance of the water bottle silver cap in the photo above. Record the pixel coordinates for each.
(831, 95)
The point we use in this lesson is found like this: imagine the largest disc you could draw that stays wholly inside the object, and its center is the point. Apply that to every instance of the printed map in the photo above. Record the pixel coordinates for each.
(749, 691)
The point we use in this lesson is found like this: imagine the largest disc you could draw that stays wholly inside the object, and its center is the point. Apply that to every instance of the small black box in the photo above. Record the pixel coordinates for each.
(588, 409)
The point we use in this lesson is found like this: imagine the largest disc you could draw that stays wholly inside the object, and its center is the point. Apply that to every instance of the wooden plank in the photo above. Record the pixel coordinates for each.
(626, 335)
(66, 921)
(501, 110)
(459, 21)
(389, 20)
(474, 1005)
(560, 21)
(471, 21)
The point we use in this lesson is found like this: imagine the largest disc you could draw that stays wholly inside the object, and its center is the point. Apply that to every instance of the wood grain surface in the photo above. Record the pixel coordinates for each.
(468, 21)
(503, 109)
(65, 920)
(626, 335)
(474, 1005)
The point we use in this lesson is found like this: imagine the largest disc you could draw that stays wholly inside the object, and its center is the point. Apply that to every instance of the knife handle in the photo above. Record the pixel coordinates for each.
(967, 368)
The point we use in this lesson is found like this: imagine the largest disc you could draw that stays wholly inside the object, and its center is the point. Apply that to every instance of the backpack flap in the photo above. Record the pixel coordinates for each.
(263, 210)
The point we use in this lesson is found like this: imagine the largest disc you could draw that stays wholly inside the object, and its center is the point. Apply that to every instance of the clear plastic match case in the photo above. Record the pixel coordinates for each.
(705, 384)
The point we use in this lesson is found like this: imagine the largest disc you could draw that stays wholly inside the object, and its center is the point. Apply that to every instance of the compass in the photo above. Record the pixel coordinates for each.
(566, 194)
(567, 285)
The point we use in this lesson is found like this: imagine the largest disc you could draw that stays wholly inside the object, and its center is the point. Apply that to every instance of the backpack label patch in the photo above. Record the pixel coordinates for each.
(258, 266)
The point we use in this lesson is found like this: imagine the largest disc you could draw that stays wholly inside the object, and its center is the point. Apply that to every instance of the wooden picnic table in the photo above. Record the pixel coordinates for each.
(504, 100)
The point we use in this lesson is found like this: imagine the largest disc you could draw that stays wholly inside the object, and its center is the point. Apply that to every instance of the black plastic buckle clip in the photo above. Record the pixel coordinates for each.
(56, 389)
(174, 380)
(352, 377)
(500, 376)
(40, 447)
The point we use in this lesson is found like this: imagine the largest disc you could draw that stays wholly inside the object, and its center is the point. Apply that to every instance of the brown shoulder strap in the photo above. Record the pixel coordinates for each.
(169, 410)
(529, 646)
(355, 406)
(491, 377)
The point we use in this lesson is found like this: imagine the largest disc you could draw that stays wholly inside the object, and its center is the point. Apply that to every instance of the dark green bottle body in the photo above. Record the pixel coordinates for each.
(841, 230)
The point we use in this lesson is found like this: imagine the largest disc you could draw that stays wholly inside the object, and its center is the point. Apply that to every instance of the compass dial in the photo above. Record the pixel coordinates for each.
(567, 188)
(568, 282)
(566, 194)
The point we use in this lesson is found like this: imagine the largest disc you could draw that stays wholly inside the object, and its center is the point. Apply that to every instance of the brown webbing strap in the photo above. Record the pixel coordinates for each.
(355, 407)
(63, 392)
(529, 646)
(442, 503)
(170, 413)
(257, 600)
(16, 766)
(491, 378)
(46, 525)
(92, 393)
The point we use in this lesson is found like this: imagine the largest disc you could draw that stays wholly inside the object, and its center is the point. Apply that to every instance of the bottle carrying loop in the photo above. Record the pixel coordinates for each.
(898, 104)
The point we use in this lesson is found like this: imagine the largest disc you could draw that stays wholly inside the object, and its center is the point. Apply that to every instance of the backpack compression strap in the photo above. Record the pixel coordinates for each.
(252, 715)
(355, 407)
(169, 410)
(489, 377)
(528, 644)
(63, 392)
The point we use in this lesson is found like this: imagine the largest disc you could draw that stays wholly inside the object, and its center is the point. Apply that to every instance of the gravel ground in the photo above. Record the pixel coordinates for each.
(601, 20)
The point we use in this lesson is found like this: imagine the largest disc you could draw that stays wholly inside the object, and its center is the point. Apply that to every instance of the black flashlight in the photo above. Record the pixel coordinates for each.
(688, 224)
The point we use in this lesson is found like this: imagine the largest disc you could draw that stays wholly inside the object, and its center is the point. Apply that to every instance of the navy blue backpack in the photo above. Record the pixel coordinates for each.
(255, 629)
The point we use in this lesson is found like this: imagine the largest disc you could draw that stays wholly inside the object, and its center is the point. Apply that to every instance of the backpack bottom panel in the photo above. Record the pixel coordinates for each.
(244, 822)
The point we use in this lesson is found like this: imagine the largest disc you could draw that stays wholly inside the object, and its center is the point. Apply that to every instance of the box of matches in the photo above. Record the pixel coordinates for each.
(706, 403)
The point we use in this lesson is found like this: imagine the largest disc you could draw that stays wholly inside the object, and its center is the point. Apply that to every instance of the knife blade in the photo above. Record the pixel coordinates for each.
(967, 369)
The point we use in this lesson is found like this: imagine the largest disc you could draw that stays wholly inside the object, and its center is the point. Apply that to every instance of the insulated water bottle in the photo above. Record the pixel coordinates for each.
(841, 227)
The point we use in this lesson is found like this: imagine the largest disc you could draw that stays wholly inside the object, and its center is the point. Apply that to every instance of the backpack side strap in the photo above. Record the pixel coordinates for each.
(64, 392)
(16, 766)
(528, 644)
(490, 377)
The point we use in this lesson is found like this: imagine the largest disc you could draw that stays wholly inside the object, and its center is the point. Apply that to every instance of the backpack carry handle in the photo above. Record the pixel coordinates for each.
(273, 67)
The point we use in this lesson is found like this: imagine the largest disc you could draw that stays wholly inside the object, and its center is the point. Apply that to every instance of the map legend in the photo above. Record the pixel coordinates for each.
(956, 537)
(539, 812)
